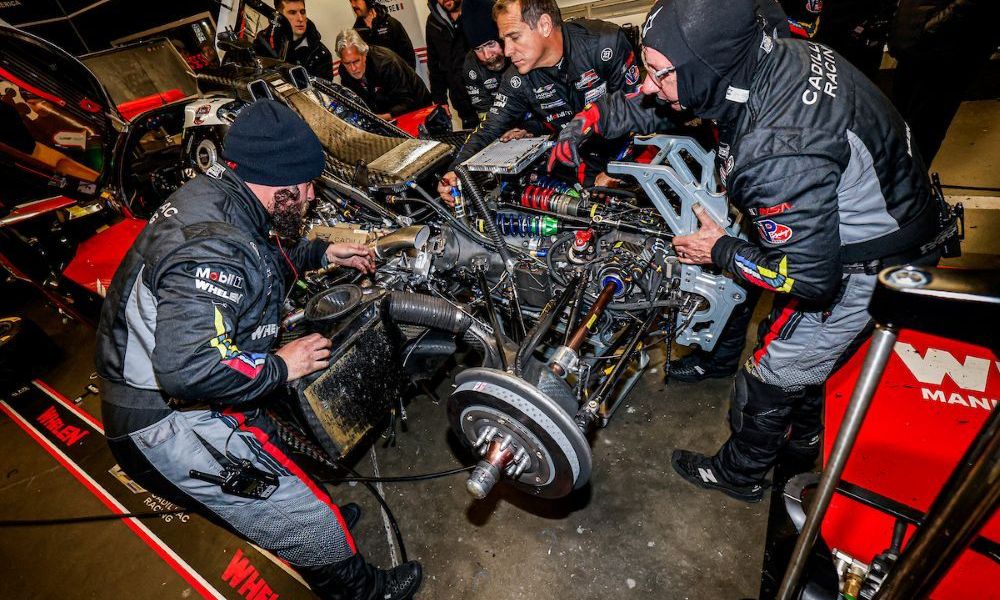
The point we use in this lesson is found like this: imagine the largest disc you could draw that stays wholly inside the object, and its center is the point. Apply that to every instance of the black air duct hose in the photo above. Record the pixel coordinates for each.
(471, 191)
(437, 313)
(428, 311)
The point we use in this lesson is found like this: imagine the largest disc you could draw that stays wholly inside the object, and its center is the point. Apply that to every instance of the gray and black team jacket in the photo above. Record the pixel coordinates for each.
(193, 311)
(597, 60)
(818, 159)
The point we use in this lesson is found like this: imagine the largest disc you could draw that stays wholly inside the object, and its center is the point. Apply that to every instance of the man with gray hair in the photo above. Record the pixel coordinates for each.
(387, 84)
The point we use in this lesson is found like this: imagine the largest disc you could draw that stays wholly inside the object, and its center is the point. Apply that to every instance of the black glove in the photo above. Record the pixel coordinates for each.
(574, 133)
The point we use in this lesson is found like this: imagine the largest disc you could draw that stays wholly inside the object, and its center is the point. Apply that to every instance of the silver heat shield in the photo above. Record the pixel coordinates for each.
(508, 158)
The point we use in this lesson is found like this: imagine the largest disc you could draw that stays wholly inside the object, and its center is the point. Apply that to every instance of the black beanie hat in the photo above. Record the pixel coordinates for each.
(478, 23)
(271, 145)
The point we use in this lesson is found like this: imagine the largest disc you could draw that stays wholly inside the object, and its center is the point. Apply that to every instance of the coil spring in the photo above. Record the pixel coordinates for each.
(522, 225)
(550, 199)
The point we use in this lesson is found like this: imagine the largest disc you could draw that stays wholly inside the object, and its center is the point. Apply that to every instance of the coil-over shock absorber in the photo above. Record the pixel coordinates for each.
(513, 224)
(556, 197)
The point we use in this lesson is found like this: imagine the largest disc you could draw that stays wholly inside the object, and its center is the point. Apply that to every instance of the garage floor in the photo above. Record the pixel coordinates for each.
(637, 531)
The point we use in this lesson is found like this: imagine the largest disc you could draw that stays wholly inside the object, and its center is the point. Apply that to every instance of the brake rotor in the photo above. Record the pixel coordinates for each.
(523, 435)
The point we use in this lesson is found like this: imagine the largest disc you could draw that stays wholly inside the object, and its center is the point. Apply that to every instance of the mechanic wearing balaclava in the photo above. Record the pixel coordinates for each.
(817, 158)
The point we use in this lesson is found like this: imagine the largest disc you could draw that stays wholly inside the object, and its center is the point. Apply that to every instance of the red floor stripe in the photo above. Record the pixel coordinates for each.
(162, 550)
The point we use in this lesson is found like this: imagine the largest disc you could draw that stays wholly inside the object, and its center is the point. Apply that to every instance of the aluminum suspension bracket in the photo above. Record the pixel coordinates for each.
(670, 172)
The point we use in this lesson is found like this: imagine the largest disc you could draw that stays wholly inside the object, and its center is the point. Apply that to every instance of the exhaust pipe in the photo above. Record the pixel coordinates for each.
(405, 238)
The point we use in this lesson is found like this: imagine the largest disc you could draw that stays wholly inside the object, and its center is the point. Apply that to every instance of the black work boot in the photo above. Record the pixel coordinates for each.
(698, 366)
(356, 579)
(698, 469)
(351, 513)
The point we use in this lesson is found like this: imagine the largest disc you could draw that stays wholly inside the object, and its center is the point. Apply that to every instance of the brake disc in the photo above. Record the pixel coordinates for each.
(523, 435)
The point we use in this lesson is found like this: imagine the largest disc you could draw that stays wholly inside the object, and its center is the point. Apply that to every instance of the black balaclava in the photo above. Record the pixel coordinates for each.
(713, 44)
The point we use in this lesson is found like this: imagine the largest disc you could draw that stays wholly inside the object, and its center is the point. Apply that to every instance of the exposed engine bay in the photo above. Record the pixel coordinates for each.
(549, 295)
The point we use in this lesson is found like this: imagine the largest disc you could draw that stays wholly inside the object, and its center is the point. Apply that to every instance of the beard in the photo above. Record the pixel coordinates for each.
(286, 214)
(496, 63)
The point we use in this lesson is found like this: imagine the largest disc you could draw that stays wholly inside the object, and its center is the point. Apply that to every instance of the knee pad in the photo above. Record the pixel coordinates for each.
(760, 413)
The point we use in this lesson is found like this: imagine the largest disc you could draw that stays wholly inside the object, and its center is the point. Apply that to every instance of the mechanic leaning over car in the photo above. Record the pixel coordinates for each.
(484, 65)
(295, 38)
(557, 68)
(819, 160)
(185, 351)
(386, 84)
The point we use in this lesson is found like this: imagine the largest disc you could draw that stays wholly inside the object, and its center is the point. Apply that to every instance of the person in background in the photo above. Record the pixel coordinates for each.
(557, 69)
(386, 84)
(377, 28)
(485, 64)
(446, 49)
(940, 46)
(294, 38)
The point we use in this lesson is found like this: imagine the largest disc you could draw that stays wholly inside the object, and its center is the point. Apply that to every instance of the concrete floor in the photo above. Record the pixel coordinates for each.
(637, 531)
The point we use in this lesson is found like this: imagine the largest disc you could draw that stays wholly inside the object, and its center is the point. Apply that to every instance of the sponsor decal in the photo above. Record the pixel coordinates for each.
(632, 75)
(773, 232)
(595, 93)
(970, 374)
(559, 115)
(216, 170)
(472, 75)
(246, 579)
(246, 363)
(515, 81)
(554, 104)
(492, 83)
(606, 54)
(770, 211)
(766, 43)
(775, 281)
(545, 92)
(649, 21)
(727, 167)
(76, 139)
(215, 290)
(822, 74)
(499, 102)
(202, 112)
(587, 79)
(68, 434)
(166, 211)
(265, 331)
(230, 279)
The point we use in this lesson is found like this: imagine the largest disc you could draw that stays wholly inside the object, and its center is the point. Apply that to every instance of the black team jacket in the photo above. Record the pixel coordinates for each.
(389, 85)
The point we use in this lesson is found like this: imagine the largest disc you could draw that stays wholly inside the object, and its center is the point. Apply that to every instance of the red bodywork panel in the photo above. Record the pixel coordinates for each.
(133, 108)
(410, 122)
(29, 210)
(935, 395)
(97, 259)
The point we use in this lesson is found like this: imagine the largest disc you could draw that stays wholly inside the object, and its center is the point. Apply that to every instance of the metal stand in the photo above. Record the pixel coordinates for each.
(883, 340)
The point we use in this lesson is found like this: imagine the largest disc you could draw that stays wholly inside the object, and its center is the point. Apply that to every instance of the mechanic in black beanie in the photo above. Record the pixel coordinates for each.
(188, 358)
(823, 166)
(485, 64)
